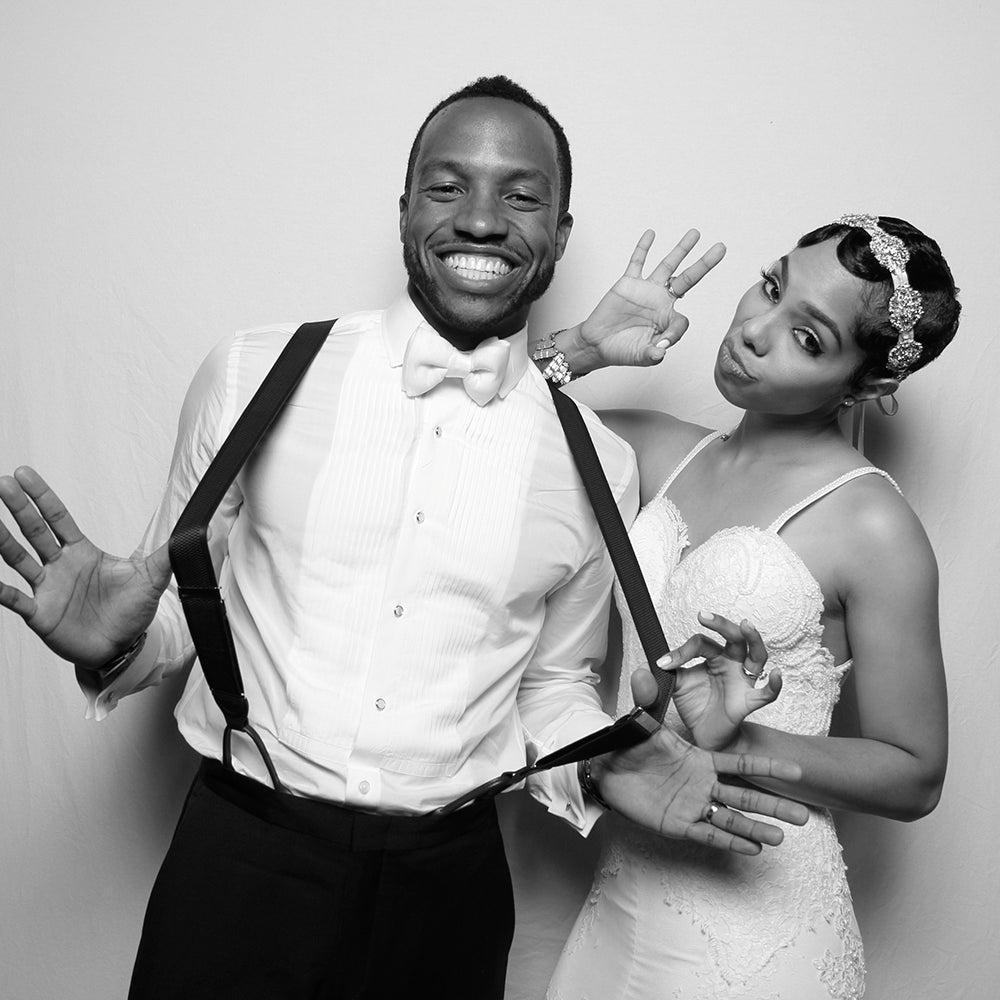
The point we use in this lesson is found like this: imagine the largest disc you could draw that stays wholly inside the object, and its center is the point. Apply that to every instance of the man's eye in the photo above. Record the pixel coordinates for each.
(443, 191)
(523, 200)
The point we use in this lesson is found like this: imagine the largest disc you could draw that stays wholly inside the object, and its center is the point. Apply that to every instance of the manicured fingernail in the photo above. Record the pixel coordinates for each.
(665, 661)
(664, 343)
(707, 615)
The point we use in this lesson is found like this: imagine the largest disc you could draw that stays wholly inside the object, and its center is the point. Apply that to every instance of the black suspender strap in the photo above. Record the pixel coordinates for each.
(205, 610)
(609, 519)
(190, 558)
(640, 723)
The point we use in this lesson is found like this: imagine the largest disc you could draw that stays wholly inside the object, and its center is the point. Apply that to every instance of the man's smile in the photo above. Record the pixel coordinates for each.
(476, 267)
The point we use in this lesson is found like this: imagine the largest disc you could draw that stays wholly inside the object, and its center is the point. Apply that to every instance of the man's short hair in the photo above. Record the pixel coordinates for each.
(504, 88)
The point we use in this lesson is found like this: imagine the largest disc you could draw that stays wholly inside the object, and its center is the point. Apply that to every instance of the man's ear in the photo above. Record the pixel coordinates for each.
(404, 209)
(873, 388)
(563, 228)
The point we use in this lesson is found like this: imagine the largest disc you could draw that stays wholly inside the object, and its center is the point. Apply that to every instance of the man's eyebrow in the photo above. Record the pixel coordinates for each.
(514, 174)
(811, 310)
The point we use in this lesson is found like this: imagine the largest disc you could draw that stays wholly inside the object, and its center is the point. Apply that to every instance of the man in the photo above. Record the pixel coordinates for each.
(418, 595)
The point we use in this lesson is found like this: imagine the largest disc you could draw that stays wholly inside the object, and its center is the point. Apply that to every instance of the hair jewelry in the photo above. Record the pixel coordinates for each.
(905, 306)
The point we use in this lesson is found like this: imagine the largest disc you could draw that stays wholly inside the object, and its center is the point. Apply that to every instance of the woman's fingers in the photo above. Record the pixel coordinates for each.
(743, 642)
(759, 697)
(662, 272)
(697, 645)
(755, 644)
(690, 276)
(638, 259)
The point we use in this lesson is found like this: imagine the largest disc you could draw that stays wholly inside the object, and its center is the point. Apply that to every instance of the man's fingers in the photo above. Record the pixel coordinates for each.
(17, 558)
(644, 687)
(738, 825)
(12, 598)
(57, 517)
(753, 800)
(712, 836)
(638, 259)
(28, 519)
(752, 766)
(672, 261)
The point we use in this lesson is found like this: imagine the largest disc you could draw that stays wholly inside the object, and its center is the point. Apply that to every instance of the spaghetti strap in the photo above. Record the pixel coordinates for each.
(707, 439)
(779, 522)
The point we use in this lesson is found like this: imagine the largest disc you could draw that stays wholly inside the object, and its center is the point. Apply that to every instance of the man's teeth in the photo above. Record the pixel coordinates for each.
(477, 268)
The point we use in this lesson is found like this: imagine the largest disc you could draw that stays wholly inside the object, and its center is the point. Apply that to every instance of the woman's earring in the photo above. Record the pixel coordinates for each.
(848, 401)
(892, 409)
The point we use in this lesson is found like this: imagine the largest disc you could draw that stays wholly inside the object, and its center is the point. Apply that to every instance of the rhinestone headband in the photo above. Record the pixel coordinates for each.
(906, 306)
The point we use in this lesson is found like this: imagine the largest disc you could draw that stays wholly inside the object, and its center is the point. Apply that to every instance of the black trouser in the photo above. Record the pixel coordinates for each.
(272, 896)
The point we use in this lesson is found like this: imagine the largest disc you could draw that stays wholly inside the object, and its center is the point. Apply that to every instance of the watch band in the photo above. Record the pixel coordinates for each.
(107, 672)
(587, 785)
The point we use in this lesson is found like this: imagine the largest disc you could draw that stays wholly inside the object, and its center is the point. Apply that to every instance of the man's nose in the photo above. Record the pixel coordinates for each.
(482, 216)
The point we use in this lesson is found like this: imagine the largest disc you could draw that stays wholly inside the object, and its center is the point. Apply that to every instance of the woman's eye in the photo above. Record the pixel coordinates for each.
(808, 341)
(769, 285)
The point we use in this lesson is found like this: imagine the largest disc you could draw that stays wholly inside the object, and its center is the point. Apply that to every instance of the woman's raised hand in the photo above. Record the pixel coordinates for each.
(637, 319)
(86, 605)
(715, 696)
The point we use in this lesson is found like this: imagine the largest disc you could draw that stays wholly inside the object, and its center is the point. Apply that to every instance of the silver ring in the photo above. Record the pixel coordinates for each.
(753, 677)
(671, 292)
(711, 809)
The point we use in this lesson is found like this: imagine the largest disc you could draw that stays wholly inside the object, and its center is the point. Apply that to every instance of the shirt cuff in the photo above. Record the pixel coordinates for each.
(104, 690)
(559, 788)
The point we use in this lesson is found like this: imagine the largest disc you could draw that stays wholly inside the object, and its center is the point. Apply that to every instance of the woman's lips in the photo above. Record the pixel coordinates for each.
(731, 365)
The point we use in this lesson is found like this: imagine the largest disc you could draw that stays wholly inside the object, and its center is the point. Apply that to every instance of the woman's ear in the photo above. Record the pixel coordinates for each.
(874, 388)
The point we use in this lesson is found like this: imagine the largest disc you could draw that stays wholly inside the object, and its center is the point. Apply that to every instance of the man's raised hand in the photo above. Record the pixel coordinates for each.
(85, 604)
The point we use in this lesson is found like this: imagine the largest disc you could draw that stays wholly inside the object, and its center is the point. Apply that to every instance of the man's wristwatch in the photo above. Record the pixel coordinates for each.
(557, 370)
(106, 672)
(587, 785)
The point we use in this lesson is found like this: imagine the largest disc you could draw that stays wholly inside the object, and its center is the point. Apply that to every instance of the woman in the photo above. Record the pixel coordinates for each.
(782, 525)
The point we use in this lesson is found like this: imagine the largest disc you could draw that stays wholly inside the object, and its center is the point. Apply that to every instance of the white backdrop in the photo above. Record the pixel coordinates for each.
(171, 172)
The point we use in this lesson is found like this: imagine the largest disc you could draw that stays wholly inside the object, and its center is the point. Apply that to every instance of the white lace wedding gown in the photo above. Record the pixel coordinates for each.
(669, 919)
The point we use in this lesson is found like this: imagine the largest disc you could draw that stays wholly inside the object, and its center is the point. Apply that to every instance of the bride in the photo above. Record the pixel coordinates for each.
(813, 577)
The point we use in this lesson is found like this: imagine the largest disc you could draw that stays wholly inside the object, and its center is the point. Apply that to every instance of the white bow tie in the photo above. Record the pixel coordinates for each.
(429, 358)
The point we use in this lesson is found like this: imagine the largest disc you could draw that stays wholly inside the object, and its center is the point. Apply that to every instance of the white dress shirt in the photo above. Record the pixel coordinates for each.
(417, 587)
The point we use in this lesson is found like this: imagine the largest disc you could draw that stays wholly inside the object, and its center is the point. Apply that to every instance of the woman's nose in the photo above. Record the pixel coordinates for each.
(754, 332)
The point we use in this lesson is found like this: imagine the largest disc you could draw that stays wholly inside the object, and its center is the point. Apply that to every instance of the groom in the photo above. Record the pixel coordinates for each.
(418, 597)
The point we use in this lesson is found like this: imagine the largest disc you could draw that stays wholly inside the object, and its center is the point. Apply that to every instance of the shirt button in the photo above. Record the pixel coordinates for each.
(419, 517)
(380, 704)
(365, 787)
(398, 610)
(437, 431)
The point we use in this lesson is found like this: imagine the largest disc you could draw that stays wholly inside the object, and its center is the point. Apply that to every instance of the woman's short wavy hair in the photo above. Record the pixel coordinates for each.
(928, 273)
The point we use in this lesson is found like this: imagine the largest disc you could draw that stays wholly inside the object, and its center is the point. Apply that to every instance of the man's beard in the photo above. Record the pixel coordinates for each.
(483, 327)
